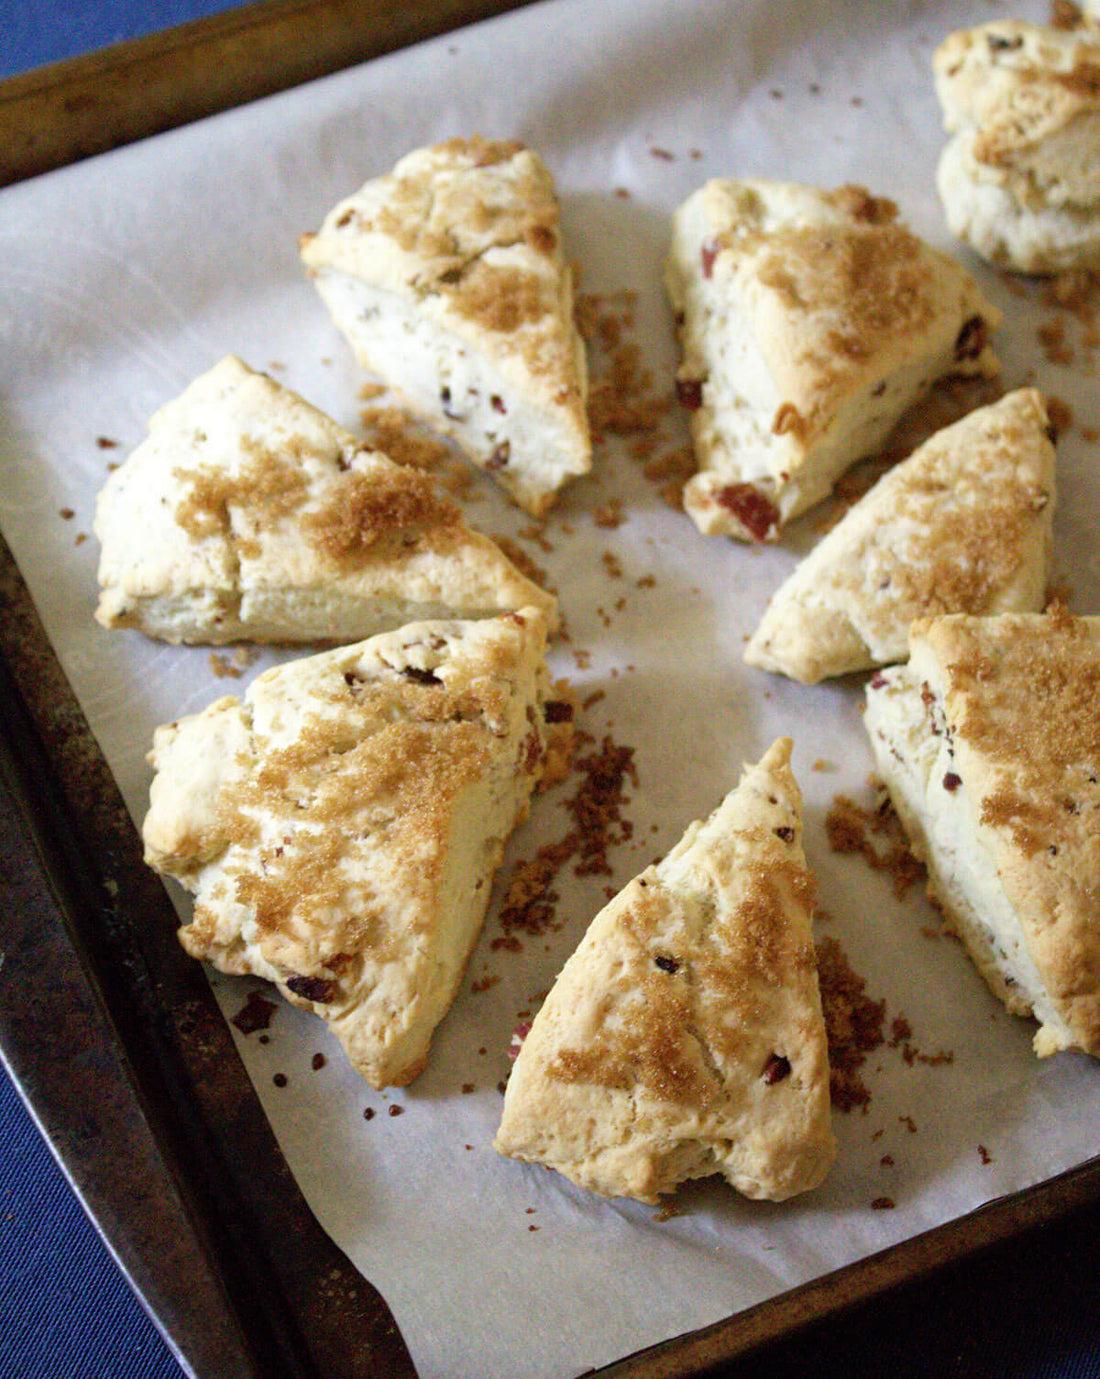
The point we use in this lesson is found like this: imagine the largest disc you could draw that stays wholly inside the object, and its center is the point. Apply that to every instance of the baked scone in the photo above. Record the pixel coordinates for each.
(1020, 177)
(962, 526)
(684, 1036)
(448, 280)
(340, 827)
(989, 743)
(809, 321)
(247, 514)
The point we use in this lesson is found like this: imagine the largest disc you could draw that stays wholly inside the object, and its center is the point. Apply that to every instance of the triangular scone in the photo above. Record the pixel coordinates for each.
(962, 526)
(448, 280)
(989, 743)
(249, 515)
(684, 1036)
(808, 321)
(1020, 177)
(340, 826)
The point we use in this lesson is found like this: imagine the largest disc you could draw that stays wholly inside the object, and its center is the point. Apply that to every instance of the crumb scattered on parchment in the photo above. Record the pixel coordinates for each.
(901, 1038)
(853, 829)
(255, 1014)
(1060, 591)
(1064, 14)
(1060, 415)
(224, 668)
(596, 810)
(106, 443)
(854, 1025)
(624, 400)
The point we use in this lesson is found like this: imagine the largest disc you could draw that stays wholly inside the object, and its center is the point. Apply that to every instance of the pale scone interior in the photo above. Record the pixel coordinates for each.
(809, 321)
(448, 280)
(684, 1036)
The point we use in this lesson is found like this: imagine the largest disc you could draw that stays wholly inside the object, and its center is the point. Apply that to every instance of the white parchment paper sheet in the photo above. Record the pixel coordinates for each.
(124, 277)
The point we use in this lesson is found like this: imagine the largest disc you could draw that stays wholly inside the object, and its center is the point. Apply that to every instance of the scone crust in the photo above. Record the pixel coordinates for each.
(249, 514)
(962, 526)
(1020, 179)
(1022, 696)
(684, 1036)
(469, 232)
(832, 298)
(340, 827)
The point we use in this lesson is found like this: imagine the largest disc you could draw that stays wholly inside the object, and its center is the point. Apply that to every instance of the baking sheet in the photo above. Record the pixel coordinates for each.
(126, 276)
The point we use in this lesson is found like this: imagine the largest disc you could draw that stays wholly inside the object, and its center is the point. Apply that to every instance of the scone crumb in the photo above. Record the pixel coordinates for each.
(530, 901)
(255, 1014)
(223, 668)
(853, 1025)
(1064, 14)
(849, 829)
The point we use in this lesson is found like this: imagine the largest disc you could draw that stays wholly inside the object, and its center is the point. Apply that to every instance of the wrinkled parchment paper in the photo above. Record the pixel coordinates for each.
(124, 277)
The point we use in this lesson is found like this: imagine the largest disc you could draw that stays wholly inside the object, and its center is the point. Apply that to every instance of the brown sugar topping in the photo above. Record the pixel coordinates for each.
(1045, 757)
(343, 518)
(386, 759)
(870, 283)
(368, 508)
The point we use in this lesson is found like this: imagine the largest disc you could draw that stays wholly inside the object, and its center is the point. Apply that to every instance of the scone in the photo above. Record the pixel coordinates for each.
(247, 514)
(989, 743)
(809, 321)
(684, 1037)
(340, 827)
(1020, 177)
(962, 526)
(448, 280)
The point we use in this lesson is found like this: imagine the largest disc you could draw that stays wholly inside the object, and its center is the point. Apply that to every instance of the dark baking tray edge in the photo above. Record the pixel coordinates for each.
(73, 109)
(116, 1044)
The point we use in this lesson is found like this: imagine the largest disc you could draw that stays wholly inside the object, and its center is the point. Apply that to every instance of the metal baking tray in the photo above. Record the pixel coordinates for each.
(123, 1056)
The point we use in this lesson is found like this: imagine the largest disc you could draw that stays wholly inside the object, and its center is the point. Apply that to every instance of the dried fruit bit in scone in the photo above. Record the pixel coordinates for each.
(809, 321)
(448, 280)
(684, 1037)
(962, 526)
(247, 514)
(989, 743)
(341, 826)
(1020, 177)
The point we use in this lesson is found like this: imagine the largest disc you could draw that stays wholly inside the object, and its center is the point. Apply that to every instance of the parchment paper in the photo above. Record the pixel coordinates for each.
(123, 278)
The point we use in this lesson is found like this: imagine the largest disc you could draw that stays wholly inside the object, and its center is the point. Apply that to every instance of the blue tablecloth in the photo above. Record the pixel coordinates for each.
(1028, 1310)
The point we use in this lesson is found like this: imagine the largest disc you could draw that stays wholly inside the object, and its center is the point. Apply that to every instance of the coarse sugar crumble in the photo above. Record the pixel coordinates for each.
(850, 828)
